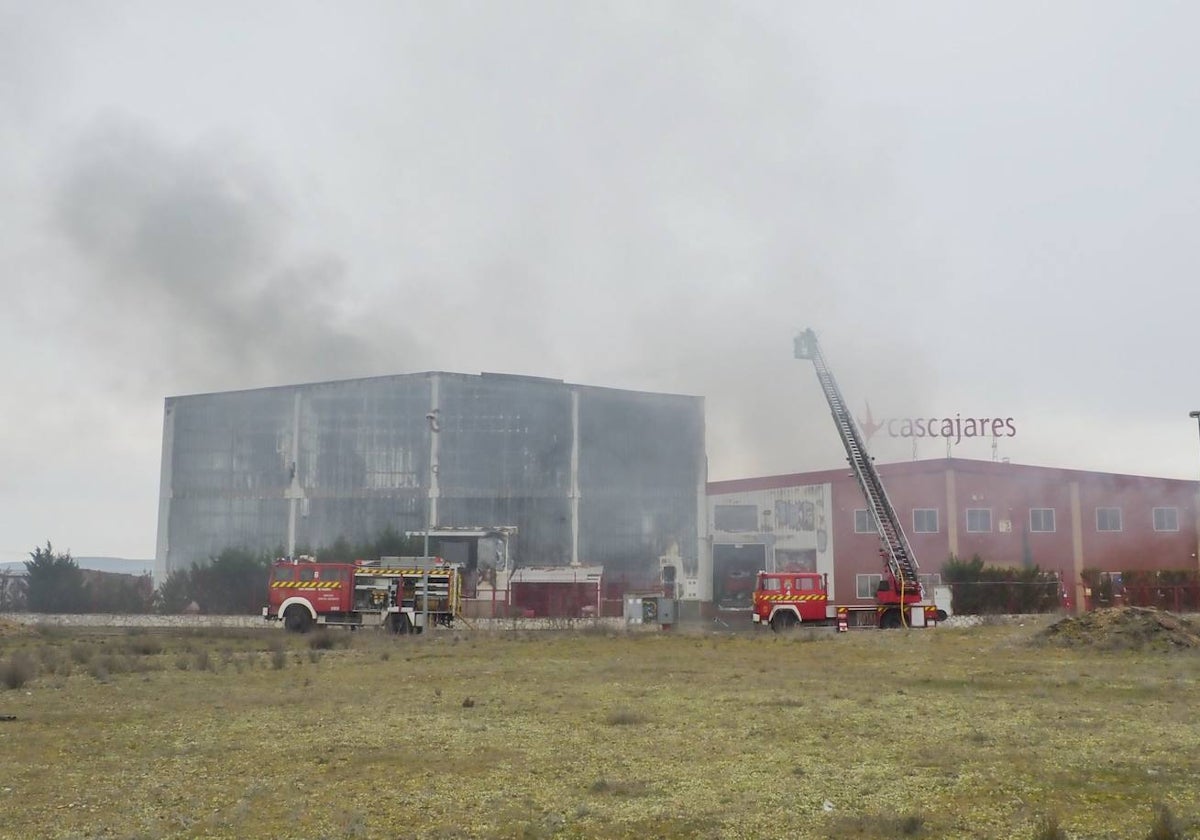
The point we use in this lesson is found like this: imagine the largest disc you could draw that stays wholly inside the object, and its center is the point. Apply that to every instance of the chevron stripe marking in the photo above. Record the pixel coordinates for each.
(306, 584)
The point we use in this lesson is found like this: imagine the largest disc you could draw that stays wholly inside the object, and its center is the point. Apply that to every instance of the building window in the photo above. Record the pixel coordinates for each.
(866, 585)
(979, 520)
(863, 523)
(795, 560)
(928, 582)
(735, 518)
(1166, 519)
(1108, 519)
(925, 521)
(1041, 520)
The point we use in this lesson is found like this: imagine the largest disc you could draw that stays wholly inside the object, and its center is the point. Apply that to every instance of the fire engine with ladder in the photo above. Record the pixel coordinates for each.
(400, 594)
(785, 599)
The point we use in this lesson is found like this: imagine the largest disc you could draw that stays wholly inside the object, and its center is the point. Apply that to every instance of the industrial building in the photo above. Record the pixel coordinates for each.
(503, 471)
(561, 497)
(1009, 514)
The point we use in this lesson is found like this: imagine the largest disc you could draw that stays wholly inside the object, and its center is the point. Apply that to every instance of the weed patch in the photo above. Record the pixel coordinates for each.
(202, 661)
(144, 645)
(612, 787)
(624, 717)
(879, 826)
(17, 671)
(327, 639)
(1164, 826)
(1049, 829)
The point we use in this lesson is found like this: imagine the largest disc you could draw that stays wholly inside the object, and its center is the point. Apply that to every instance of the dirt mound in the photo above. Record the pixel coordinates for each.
(1124, 628)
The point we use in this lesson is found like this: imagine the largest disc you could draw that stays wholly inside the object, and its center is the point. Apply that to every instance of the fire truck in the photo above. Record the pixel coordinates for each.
(785, 599)
(404, 595)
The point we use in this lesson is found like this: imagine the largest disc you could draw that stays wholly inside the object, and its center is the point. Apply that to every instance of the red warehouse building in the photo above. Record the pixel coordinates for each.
(1068, 521)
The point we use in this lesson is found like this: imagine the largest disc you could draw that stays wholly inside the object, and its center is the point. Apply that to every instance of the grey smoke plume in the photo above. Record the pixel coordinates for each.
(196, 241)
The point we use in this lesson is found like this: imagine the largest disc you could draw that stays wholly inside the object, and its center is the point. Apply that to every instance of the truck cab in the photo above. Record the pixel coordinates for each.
(419, 591)
(786, 599)
(300, 592)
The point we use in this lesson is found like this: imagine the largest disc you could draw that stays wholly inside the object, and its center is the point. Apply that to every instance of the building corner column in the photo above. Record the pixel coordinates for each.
(1196, 520)
(574, 491)
(951, 513)
(1077, 548)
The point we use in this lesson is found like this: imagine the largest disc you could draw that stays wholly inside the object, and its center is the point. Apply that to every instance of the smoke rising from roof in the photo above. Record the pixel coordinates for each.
(195, 240)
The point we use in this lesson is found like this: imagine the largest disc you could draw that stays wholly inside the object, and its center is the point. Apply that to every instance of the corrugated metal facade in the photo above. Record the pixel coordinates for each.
(590, 474)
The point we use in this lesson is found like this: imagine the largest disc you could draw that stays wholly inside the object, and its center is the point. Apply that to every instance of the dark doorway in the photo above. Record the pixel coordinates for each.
(734, 570)
(463, 552)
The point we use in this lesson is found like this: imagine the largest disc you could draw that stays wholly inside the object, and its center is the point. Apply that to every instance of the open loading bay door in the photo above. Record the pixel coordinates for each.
(734, 570)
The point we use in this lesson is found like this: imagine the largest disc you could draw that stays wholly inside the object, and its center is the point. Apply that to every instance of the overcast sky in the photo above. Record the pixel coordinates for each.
(984, 210)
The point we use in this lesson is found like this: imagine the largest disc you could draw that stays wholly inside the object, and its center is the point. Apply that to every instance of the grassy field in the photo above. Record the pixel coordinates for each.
(950, 733)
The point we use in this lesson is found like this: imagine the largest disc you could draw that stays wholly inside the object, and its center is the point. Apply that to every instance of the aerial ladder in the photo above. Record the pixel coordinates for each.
(900, 586)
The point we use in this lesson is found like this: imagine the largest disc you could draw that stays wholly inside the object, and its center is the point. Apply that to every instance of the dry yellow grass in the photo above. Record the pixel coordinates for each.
(943, 733)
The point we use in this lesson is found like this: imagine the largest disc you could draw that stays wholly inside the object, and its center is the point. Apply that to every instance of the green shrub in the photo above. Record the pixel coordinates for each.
(624, 717)
(98, 670)
(1049, 829)
(18, 670)
(619, 788)
(50, 658)
(328, 640)
(144, 645)
(1165, 826)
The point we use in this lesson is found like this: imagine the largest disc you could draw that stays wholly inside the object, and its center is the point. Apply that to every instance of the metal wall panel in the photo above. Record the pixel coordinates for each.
(641, 466)
(358, 457)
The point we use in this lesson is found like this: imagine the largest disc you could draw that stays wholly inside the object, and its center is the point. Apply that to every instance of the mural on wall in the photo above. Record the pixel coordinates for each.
(798, 516)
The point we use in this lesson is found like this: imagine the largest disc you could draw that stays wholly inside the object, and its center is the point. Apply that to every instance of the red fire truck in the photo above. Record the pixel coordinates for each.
(787, 598)
(403, 595)
(783, 600)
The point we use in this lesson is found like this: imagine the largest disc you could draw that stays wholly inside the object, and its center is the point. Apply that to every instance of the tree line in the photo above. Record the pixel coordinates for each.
(233, 582)
(980, 589)
(54, 583)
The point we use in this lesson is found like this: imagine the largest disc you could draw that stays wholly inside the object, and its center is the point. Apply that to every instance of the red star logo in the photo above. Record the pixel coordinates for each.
(869, 426)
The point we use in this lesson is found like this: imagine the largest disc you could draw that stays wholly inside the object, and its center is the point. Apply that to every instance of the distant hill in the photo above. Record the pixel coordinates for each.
(120, 565)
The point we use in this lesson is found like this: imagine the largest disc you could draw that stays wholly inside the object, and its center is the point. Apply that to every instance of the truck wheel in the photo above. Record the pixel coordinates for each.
(400, 624)
(783, 621)
(890, 620)
(296, 619)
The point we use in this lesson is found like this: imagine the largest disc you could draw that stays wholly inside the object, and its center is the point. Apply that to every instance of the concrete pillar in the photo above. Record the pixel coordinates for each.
(951, 513)
(574, 477)
(1077, 547)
